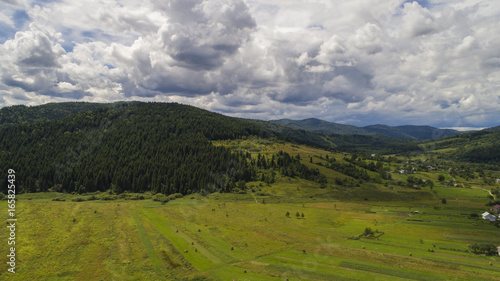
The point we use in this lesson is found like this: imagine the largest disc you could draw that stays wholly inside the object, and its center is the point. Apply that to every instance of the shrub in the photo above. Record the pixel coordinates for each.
(368, 232)
(158, 197)
(58, 199)
(473, 216)
(484, 249)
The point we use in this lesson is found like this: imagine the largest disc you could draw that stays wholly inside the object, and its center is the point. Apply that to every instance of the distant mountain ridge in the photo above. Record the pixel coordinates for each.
(407, 131)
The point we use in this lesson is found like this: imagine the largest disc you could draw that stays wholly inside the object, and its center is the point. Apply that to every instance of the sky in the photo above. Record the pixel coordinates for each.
(357, 62)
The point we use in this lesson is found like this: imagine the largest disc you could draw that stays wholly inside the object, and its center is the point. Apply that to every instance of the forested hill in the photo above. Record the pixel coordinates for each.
(20, 114)
(126, 146)
(408, 132)
(476, 147)
(165, 147)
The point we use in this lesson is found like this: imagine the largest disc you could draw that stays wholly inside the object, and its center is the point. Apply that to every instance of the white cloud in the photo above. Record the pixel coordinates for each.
(363, 60)
(417, 20)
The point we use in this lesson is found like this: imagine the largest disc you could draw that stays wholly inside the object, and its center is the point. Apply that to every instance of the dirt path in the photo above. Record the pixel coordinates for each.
(487, 190)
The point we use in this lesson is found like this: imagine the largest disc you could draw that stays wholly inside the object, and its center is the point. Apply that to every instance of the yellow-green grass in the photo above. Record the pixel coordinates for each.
(76, 241)
(137, 240)
(228, 234)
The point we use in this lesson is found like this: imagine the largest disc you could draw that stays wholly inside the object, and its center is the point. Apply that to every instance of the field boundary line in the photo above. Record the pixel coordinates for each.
(155, 260)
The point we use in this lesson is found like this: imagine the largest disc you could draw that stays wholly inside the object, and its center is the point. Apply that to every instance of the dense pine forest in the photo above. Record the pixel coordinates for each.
(133, 147)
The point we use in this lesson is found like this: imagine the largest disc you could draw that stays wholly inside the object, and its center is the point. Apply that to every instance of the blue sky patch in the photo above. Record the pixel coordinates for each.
(20, 18)
(423, 3)
(6, 32)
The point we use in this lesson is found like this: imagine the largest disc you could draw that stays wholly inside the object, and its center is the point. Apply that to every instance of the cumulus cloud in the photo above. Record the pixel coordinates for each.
(201, 34)
(417, 20)
(362, 61)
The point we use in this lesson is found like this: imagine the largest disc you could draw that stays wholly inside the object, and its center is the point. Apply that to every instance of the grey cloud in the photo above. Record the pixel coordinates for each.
(418, 21)
(37, 51)
(355, 75)
(193, 51)
(491, 62)
(203, 34)
(75, 95)
(299, 94)
(12, 2)
(9, 81)
(40, 86)
(179, 10)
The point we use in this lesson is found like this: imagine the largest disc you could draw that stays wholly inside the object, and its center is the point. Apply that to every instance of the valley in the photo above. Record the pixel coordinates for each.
(136, 191)
(246, 235)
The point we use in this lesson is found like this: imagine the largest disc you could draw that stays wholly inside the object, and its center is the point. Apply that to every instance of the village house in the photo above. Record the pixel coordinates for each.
(488, 216)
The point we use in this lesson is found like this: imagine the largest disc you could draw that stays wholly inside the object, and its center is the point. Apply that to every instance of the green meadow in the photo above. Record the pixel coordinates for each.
(248, 235)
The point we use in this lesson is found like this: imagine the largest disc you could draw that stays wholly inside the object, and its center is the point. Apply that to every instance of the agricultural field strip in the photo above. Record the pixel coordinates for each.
(332, 261)
(398, 246)
(464, 264)
(199, 247)
(343, 274)
(445, 259)
(309, 267)
(198, 260)
(155, 260)
(391, 271)
(236, 273)
(211, 247)
(156, 220)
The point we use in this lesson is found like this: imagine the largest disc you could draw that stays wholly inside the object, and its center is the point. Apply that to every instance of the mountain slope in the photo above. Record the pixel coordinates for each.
(476, 147)
(129, 146)
(409, 132)
(52, 111)
(137, 147)
(347, 142)
(320, 126)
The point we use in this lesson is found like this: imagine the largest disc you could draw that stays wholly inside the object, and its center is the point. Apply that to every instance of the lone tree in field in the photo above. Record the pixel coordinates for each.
(368, 232)
(287, 214)
(302, 215)
(297, 215)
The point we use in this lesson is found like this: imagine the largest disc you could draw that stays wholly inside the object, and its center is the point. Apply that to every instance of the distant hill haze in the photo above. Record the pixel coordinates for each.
(408, 131)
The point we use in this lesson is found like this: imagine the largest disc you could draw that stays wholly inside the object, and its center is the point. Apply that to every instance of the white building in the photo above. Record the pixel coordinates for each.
(488, 216)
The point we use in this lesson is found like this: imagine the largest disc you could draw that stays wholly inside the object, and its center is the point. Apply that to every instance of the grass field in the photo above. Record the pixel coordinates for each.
(226, 234)
(249, 237)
